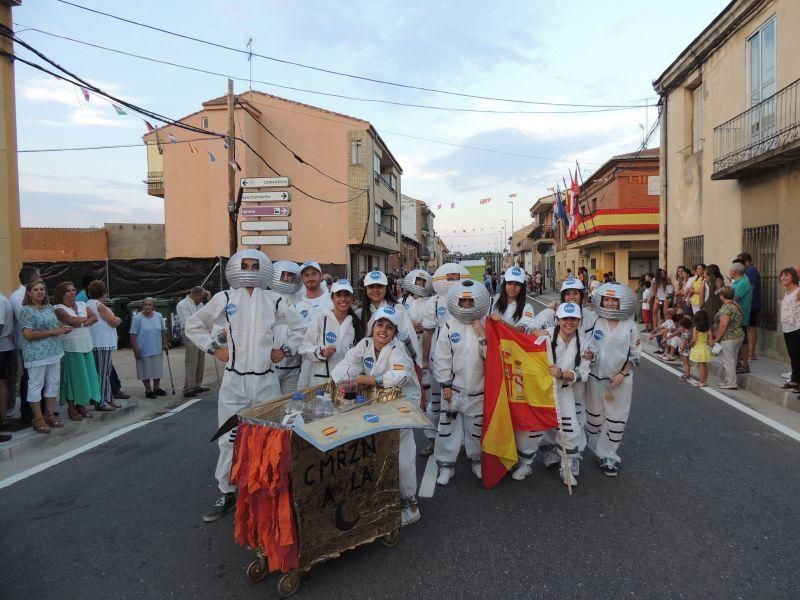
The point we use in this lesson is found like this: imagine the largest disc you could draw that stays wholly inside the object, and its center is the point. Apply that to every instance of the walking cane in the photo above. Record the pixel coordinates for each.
(169, 366)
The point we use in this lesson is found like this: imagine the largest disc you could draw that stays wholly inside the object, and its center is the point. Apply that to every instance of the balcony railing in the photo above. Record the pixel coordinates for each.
(155, 183)
(383, 230)
(766, 135)
(542, 232)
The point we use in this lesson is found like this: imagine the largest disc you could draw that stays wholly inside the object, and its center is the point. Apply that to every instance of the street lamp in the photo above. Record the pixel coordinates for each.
(511, 202)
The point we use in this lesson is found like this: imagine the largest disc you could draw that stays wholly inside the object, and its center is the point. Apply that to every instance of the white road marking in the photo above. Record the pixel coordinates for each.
(542, 302)
(427, 486)
(98, 442)
(735, 404)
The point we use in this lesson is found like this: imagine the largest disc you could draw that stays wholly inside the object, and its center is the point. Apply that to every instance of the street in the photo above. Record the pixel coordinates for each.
(704, 506)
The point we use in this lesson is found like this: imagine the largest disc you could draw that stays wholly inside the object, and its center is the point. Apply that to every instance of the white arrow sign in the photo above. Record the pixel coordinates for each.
(266, 226)
(259, 182)
(266, 211)
(267, 197)
(265, 240)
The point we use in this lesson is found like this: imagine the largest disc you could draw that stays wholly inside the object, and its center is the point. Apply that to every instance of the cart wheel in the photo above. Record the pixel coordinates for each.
(390, 539)
(289, 584)
(257, 570)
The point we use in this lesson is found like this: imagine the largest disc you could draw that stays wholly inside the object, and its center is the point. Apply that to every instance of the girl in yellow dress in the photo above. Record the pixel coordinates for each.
(702, 340)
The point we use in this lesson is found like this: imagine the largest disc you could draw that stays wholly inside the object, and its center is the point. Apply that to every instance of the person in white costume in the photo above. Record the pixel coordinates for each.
(286, 282)
(509, 305)
(434, 317)
(331, 334)
(247, 314)
(568, 369)
(616, 347)
(417, 288)
(312, 299)
(458, 366)
(381, 360)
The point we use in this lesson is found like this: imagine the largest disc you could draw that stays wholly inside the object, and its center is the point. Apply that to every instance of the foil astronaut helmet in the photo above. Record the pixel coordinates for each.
(624, 295)
(286, 278)
(410, 283)
(468, 289)
(260, 278)
(446, 276)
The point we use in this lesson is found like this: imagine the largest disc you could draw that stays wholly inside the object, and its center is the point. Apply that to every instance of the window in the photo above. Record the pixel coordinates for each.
(762, 244)
(638, 266)
(355, 152)
(762, 79)
(376, 164)
(692, 251)
(697, 118)
(378, 214)
(204, 122)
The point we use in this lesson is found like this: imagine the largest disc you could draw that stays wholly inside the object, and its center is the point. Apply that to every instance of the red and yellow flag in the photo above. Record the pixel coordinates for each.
(518, 394)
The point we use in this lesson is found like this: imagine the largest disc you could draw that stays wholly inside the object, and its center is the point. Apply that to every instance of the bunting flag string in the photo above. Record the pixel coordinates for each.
(85, 93)
(119, 109)
(485, 200)
(234, 165)
(149, 126)
(192, 148)
(172, 138)
(211, 156)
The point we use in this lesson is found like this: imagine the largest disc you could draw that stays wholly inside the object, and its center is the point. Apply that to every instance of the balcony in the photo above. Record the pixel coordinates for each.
(384, 230)
(764, 137)
(542, 232)
(155, 183)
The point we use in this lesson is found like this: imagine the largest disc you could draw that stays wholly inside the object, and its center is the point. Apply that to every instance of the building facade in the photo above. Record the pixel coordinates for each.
(619, 224)
(347, 217)
(730, 140)
(543, 256)
(428, 242)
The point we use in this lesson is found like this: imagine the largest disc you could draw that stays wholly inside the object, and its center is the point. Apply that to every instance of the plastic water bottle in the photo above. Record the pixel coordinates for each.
(318, 408)
(328, 408)
(295, 405)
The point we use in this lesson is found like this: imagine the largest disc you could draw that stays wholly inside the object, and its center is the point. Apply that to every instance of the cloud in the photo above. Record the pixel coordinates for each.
(41, 208)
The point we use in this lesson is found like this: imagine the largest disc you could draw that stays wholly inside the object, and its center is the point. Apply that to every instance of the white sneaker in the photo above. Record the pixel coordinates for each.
(445, 475)
(575, 467)
(572, 481)
(476, 469)
(408, 516)
(521, 472)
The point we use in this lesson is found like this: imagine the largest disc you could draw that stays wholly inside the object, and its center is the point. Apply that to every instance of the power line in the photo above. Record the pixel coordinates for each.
(340, 73)
(330, 94)
(79, 148)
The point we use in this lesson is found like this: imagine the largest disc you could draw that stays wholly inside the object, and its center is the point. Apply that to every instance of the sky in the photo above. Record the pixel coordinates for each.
(590, 52)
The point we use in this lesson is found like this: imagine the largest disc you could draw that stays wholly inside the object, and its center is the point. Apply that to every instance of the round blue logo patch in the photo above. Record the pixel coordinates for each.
(375, 275)
(516, 271)
(402, 336)
(569, 308)
(455, 337)
(304, 313)
(598, 335)
(389, 310)
(370, 418)
(369, 362)
(230, 309)
(441, 311)
(330, 337)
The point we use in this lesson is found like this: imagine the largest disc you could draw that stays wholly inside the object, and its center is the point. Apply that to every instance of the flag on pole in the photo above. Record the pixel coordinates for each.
(519, 395)
(561, 211)
(192, 148)
(119, 110)
(149, 127)
(211, 156)
(575, 192)
(85, 93)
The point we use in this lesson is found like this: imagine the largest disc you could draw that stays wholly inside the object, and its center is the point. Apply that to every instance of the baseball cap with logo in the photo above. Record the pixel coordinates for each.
(385, 312)
(341, 285)
(568, 310)
(572, 284)
(514, 274)
(310, 263)
(375, 278)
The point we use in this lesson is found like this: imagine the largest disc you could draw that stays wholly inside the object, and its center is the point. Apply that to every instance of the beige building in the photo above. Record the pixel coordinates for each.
(347, 217)
(730, 147)
(543, 256)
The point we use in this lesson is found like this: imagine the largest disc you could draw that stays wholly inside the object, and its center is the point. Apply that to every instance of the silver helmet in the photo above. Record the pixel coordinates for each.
(468, 288)
(237, 278)
(440, 277)
(623, 293)
(409, 282)
(287, 288)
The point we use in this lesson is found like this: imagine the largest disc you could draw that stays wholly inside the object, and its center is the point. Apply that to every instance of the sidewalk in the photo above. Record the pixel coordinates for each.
(28, 448)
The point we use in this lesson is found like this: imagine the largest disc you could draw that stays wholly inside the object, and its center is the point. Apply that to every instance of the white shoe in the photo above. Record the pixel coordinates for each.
(476, 469)
(445, 475)
(572, 481)
(409, 516)
(575, 467)
(521, 472)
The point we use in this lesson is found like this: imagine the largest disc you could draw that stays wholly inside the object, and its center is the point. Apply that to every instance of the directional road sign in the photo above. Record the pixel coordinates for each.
(267, 197)
(265, 240)
(266, 211)
(259, 182)
(266, 226)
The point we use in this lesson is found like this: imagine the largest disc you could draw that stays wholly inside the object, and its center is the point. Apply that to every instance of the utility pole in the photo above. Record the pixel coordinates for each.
(511, 202)
(234, 217)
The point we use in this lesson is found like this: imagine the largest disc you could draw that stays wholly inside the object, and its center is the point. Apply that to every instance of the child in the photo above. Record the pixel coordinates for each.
(659, 333)
(458, 366)
(702, 340)
(685, 337)
(647, 298)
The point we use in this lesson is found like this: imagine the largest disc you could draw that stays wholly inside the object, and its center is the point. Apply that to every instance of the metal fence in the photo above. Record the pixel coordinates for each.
(770, 124)
(692, 251)
(762, 244)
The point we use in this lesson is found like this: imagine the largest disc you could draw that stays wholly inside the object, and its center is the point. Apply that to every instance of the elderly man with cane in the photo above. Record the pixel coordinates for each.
(194, 357)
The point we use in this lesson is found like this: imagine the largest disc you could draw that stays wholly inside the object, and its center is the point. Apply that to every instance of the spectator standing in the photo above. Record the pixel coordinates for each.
(754, 277)
(538, 280)
(26, 276)
(696, 291)
(194, 357)
(41, 353)
(148, 340)
(83, 295)
(8, 357)
(79, 382)
(743, 295)
(681, 276)
(790, 323)
(104, 342)
(715, 283)
(640, 287)
(487, 281)
(730, 335)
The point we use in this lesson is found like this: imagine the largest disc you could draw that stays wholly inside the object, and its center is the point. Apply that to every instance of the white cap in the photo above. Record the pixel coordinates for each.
(572, 284)
(568, 310)
(375, 278)
(385, 312)
(310, 263)
(516, 274)
(342, 285)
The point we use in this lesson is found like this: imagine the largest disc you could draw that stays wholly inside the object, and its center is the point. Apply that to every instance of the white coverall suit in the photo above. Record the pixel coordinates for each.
(585, 327)
(607, 409)
(308, 309)
(434, 317)
(459, 364)
(288, 370)
(416, 307)
(406, 334)
(325, 330)
(249, 375)
(394, 366)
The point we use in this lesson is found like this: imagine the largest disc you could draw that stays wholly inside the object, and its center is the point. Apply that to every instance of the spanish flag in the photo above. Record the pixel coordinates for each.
(519, 394)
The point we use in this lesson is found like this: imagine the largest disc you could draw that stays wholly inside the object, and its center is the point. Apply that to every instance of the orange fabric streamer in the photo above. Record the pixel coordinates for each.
(262, 470)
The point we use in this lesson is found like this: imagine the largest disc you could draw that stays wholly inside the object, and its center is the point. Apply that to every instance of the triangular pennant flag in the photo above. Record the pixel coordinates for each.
(119, 110)
(85, 93)
(192, 147)
(211, 156)
(234, 165)
(149, 127)
(172, 138)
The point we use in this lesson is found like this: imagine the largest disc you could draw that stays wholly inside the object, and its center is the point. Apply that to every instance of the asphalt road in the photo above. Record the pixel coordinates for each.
(705, 506)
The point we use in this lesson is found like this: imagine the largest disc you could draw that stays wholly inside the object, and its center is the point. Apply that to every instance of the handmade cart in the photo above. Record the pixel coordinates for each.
(310, 492)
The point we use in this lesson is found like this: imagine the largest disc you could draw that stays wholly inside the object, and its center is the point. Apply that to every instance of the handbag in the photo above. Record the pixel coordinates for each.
(716, 349)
